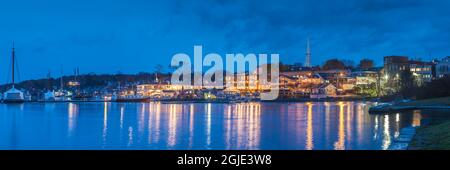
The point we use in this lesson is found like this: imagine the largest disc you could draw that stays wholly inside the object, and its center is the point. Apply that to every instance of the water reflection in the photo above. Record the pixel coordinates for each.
(309, 129)
(339, 144)
(153, 123)
(208, 124)
(174, 112)
(397, 125)
(105, 122)
(375, 128)
(141, 119)
(386, 133)
(191, 125)
(348, 121)
(327, 120)
(130, 136)
(156, 125)
(242, 122)
(359, 122)
(72, 118)
(417, 117)
(122, 112)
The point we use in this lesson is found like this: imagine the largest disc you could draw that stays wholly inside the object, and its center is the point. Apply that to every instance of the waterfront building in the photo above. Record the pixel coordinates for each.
(298, 74)
(149, 89)
(323, 91)
(443, 67)
(157, 90)
(288, 83)
(242, 82)
(129, 92)
(73, 83)
(306, 84)
(365, 77)
(333, 75)
(393, 65)
(293, 67)
(347, 84)
(312, 79)
(422, 71)
(337, 77)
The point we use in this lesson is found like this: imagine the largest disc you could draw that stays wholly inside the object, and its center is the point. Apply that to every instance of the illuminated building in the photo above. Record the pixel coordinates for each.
(365, 77)
(73, 83)
(323, 91)
(443, 67)
(393, 65)
(423, 71)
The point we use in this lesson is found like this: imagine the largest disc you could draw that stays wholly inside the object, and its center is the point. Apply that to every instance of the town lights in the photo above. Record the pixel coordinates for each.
(182, 75)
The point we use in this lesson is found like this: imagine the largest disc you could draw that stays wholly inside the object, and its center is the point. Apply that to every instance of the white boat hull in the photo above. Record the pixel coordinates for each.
(13, 96)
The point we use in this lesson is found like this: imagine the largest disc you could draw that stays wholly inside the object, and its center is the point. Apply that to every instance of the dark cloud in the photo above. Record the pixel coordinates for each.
(152, 31)
(338, 28)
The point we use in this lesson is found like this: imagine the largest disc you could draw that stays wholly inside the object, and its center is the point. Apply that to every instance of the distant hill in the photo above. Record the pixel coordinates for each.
(87, 82)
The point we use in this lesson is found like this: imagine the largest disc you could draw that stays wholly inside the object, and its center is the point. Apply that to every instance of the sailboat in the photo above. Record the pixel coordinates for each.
(61, 94)
(50, 94)
(13, 95)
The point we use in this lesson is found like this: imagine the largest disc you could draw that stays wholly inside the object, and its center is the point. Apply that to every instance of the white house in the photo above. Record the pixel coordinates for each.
(443, 67)
(323, 91)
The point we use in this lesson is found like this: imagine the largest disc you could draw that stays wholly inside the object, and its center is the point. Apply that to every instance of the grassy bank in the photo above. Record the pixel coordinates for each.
(432, 137)
(443, 101)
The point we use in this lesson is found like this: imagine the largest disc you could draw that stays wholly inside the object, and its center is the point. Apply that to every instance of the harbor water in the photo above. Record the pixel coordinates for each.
(200, 126)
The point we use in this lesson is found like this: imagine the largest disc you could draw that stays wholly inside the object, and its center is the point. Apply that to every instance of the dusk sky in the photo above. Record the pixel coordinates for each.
(129, 36)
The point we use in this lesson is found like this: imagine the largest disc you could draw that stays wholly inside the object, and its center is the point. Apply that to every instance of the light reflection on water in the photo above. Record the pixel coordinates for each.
(339, 144)
(311, 125)
(309, 129)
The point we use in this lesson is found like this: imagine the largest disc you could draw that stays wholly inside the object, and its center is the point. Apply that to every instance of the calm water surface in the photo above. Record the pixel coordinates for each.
(315, 125)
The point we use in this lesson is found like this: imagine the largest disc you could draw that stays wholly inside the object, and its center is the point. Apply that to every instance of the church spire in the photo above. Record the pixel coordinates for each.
(308, 54)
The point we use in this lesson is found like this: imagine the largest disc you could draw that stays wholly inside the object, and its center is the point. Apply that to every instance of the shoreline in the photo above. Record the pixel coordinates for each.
(295, 100)
(426, 104)
(403, 140)
(434, 136)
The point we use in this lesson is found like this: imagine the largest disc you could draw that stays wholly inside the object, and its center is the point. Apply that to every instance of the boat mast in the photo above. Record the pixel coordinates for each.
(13, 53)
(61, 84)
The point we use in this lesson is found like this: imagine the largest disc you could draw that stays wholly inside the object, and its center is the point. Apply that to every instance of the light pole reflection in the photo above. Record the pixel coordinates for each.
(173, 114)
(72, 118)
(105, 122)
(309, 128)
(340, 143)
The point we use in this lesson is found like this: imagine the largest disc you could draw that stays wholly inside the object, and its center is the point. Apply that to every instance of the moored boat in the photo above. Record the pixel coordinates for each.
(13, 95)
(49, 96)
(132, 98)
